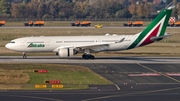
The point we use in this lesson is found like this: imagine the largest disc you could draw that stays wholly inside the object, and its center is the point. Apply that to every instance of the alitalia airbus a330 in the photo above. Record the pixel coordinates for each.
(66, 46)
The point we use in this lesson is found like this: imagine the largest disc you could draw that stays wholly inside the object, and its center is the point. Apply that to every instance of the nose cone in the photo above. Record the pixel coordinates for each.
(7, 46)
(10, 46)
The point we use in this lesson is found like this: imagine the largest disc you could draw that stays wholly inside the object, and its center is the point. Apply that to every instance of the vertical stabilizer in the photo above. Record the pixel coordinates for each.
(156, 28)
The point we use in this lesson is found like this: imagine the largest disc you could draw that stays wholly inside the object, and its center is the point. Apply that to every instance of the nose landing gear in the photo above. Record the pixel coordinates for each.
(24, 55)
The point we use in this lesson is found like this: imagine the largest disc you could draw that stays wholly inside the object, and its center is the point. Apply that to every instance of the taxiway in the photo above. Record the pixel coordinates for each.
(78, 59)
(128, 85)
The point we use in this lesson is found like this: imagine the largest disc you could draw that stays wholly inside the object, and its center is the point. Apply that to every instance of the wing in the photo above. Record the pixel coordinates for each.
(97, 46)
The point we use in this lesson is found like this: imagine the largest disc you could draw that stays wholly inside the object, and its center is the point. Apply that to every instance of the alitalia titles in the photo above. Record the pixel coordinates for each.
(36, 45)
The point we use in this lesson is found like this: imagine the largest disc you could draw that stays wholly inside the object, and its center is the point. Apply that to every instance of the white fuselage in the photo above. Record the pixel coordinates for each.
(51, 43)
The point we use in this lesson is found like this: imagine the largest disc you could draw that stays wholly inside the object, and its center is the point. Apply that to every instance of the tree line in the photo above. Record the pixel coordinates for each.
(83, 9)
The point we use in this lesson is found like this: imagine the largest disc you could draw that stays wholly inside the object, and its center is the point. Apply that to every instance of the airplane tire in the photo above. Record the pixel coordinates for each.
(83, 56)
(92, 57)
(24, 57)
(87, 56)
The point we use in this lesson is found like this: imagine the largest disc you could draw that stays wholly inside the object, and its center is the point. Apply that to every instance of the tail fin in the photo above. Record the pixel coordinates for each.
(156, 28)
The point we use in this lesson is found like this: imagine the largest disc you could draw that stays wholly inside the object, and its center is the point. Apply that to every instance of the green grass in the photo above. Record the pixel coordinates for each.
(72, 77)
(65, 77)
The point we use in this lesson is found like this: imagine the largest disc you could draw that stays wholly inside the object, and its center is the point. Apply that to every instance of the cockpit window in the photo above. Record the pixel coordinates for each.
(12, 42)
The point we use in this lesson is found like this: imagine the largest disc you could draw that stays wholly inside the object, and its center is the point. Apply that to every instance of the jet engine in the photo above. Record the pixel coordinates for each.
(66, 52)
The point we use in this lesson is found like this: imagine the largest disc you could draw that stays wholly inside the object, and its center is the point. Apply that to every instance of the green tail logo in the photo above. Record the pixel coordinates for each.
(156, 28)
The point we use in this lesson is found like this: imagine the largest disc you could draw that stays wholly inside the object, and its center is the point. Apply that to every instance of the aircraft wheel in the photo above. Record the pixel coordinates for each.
(86, 57)
(92, 57)
(24, 55)
(83, 56)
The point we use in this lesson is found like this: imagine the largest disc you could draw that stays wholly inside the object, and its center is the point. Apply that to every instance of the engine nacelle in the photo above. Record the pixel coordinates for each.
(66, 52)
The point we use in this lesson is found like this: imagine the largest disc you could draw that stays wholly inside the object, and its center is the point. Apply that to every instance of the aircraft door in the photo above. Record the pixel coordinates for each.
(47, 42)
(23, 43)
(99, 40)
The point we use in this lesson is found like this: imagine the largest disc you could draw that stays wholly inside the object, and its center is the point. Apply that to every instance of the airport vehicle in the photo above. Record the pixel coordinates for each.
(98, 26)
(136, 23)
(2, 22)
(66, 46)
(83, 23)
(37, 23)
(174, 24)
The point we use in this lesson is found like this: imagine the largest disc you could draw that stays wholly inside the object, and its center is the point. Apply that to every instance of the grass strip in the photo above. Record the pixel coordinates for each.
(21, 76)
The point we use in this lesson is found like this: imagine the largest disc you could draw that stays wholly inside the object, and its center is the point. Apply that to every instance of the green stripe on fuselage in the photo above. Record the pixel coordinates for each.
(163, 13)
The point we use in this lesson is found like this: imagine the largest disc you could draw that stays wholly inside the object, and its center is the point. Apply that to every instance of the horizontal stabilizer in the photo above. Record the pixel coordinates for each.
(120, 40)
(160, 37)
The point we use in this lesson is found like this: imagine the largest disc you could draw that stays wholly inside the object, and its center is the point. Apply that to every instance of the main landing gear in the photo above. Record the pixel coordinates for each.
(87, 56)
(24, 55)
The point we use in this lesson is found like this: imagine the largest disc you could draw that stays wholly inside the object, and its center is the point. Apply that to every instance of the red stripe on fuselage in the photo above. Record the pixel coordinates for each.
(148, 39)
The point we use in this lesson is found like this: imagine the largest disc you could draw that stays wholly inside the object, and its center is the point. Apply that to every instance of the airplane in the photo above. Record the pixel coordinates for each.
(67, 46)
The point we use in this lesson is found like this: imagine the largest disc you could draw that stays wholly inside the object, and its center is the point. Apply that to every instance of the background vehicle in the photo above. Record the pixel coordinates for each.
(98, 26)
(37, 23)
(83, 23)
(2, 22)
(136, 23)
(174, 24)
